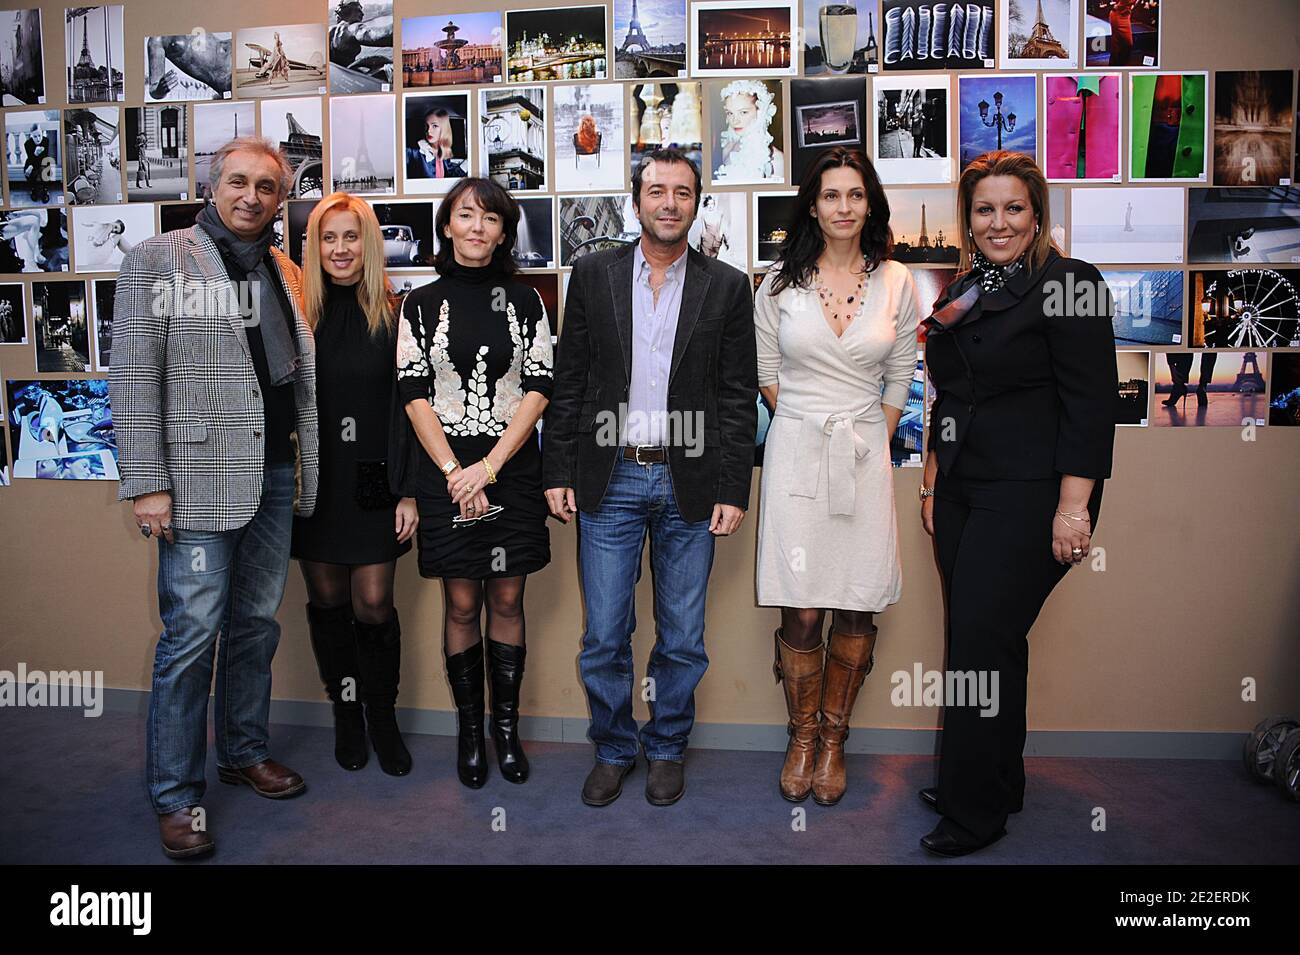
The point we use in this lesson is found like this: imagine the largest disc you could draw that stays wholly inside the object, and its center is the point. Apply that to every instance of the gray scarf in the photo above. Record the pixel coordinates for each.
(248, 260)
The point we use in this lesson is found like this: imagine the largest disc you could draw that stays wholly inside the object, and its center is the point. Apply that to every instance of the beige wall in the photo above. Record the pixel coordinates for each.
(1199, 529)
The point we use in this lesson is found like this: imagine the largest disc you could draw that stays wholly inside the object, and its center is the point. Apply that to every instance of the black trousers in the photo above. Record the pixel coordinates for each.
(994, 543)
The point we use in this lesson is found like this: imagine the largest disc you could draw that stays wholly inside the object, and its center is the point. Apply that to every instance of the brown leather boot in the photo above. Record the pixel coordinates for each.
(801, 671)
(180, 840)
(849, 658)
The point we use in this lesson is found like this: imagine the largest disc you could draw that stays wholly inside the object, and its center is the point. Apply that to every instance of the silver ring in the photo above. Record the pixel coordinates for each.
(1077, 551)
(145, 530)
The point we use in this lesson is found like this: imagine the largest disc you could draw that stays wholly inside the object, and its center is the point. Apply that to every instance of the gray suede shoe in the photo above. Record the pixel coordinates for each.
(605, 783)
(666, 782)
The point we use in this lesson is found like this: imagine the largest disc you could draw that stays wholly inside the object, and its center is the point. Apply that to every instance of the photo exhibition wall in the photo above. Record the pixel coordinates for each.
(1175, 173)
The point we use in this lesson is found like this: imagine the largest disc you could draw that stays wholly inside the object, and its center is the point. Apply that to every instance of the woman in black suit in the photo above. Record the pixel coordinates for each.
(1021, 354)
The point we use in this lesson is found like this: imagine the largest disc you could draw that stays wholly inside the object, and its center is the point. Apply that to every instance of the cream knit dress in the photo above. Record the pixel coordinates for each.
(827, 533)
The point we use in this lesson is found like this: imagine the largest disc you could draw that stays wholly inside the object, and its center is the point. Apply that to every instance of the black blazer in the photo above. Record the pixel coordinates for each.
(1027, 386)
(714, 370)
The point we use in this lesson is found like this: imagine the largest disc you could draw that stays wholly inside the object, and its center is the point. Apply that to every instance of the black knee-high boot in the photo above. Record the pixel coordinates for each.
(507, 675)
(465, 673)
(334, 643)
(379, 651)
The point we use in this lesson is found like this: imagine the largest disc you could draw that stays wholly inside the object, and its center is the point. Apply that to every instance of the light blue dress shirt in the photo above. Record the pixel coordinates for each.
(654, 332)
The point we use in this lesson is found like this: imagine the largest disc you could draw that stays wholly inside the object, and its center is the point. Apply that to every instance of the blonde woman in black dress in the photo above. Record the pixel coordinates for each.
(348, 548)
(474, 369)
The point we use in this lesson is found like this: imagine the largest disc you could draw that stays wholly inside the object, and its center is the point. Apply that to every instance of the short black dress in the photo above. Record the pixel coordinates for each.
(354, 521)
(473, 343)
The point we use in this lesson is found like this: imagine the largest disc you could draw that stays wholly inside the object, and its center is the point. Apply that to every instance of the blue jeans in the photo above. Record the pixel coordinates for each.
(640, 500)
(227, 582)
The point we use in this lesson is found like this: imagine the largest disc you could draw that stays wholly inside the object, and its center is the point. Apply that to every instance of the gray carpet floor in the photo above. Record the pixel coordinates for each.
(72, 791)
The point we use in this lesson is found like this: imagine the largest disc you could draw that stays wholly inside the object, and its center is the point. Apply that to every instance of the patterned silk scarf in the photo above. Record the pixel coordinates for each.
(983, 277)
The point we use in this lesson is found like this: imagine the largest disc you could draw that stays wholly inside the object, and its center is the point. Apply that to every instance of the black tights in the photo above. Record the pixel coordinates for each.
(801, 628)
(367, 587)
(463, 599)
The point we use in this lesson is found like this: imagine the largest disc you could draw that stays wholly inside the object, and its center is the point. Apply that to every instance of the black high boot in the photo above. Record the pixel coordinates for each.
(334, 643)
(465, 673)
(379, 651)
(507, 674)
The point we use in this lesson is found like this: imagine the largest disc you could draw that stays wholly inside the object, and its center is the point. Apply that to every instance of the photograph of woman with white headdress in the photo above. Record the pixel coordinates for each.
(748, 132)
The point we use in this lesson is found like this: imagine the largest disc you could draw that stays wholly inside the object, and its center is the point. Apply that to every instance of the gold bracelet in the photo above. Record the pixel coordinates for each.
(491, 474)
(450, 466)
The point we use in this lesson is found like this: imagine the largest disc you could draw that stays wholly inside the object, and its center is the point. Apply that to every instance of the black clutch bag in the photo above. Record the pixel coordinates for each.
(372, 492)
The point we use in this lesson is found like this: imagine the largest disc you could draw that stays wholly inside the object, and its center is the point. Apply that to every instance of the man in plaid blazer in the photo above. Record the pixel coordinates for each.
(213, 395)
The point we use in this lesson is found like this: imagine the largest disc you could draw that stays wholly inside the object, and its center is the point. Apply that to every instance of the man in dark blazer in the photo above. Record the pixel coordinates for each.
(214, 401)
(650, 431)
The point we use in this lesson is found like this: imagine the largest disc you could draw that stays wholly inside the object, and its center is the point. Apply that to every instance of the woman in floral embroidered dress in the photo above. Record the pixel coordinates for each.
(474, 370)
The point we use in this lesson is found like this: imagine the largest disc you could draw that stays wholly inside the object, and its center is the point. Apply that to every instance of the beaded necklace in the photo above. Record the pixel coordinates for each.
(831, 302)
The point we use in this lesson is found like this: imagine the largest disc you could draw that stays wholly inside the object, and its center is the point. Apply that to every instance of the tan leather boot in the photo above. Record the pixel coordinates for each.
(801, 671)
(849, 658)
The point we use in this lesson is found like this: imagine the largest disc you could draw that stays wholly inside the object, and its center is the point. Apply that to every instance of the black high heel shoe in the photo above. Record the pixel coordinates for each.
(506, 673)
(465, 673)
(1179, 393)
(1202, 399)
(379, 653)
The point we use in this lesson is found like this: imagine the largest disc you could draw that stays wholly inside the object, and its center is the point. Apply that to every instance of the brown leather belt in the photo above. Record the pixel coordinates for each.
(644, 454)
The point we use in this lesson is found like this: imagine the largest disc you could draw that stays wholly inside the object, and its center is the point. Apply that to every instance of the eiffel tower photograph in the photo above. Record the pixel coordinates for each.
(650, 37)
(93, 50)
(363, 157)
(1039, 33)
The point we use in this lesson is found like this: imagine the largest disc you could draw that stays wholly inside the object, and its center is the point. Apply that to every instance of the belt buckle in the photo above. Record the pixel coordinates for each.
(636, 454)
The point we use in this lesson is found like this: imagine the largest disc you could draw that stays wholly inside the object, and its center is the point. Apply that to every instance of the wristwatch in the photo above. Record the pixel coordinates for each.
(450, 466)
(926, 492)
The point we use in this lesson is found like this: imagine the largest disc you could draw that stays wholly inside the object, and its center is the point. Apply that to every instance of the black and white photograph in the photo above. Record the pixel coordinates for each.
(22, 58)
(92, 156)
(594, 223)
(772, 214)
(557, 43)
(1254, 115)
(743, 38)
(664, 115)
(298, 211)
(649, 38)
(1134, 398)
(1244, 308)
(919, 35)
(1260, 224)
(407, 228)
(721, 228)
(101, 300)
(452, 49)
(103, 235)
(157, 153)
(437, 141)
(1122, 33)
(824, 113)
(1038, 34)
(62, 429)
(188, 66)
(535, 242)
(910, 116)
(589, 139)
(216, 124)
(925, 225)
(405, 283)
(60, 327)
(1284, 405)
(13, 314)
(512, 137)
(363, 158)
(94, 53)
(1114, 224)
(840, 37)
(280, 61)
(297, 126)
(1148, 306)
(34, 240)
(4, 465)
(747, 130)
(1209, 389)
(361, 46)
(33, 157)
(178, 215)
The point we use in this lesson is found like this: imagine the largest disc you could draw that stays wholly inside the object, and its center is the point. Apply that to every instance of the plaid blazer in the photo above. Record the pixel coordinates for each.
(186, 404)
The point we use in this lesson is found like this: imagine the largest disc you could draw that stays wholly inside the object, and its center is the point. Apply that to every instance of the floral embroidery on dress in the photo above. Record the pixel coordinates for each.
(509, 390)
(410, 351)
(540, 357)
(448, 389)
(475, 419)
